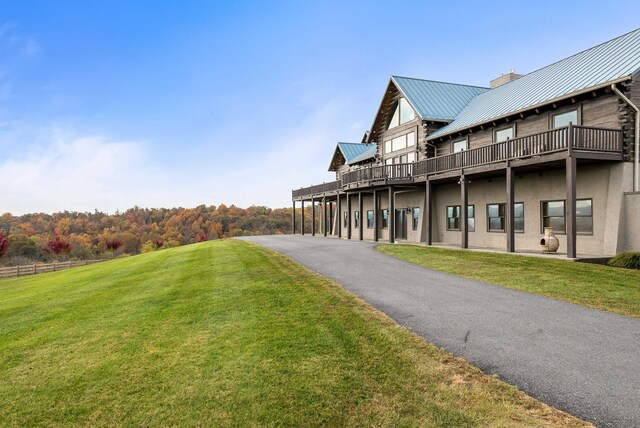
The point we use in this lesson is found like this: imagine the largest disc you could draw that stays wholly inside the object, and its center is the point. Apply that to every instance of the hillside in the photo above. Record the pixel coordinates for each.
(225, 333)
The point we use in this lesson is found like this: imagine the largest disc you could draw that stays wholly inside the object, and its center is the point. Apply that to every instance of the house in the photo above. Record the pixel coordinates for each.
(491, 167)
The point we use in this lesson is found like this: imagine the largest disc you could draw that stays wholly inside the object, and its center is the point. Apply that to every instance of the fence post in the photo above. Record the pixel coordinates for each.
(18, 271)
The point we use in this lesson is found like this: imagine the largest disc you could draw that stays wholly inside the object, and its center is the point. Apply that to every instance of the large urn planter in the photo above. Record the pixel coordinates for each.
(549, 242)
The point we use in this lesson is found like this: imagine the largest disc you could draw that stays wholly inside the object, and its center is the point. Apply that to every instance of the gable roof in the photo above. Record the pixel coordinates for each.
(433, 100)
(599, 66)
(352, 153)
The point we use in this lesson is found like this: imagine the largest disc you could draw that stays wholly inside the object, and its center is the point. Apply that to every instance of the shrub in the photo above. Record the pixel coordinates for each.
(628, 259)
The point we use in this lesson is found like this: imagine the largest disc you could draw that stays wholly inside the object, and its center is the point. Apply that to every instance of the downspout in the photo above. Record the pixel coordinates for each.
(636, 139)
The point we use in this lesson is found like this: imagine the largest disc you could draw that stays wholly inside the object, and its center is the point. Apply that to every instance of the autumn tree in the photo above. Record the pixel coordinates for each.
(57, 245)
(4, 242)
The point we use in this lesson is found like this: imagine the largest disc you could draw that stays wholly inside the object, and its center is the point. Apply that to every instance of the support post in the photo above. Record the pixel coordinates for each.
(428, 205)
(293, 218)
(302, 218)
(339, 214)
(464, 222)
(392, 216)
(313, 217)
(570, 207)
(375, 215)
(349, 215)
(324, 216)
(510, 214)
(361, 217)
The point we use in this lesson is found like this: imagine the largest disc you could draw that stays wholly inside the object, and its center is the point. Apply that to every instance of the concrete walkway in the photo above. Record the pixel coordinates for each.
(580, 360)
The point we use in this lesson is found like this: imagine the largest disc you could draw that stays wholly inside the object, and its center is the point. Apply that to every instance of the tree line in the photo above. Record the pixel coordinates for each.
(68, 235)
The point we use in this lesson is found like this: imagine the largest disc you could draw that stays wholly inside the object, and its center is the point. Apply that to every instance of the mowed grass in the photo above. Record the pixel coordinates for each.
(600, 287)
(228, 333)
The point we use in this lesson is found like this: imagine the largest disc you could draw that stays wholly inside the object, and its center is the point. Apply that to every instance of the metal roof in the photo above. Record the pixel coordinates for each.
(357, 152)
(436, 100)
(606, 63)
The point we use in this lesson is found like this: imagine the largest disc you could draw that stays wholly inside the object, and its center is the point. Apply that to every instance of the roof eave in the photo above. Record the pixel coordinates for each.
(544, 103)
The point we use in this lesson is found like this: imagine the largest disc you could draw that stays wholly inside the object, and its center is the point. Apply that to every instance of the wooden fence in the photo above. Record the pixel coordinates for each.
(10, 272)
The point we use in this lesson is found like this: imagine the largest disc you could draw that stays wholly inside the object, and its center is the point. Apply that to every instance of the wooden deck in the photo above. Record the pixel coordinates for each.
(581, 142)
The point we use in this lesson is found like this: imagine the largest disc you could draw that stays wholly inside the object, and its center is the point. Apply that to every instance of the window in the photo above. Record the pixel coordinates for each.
(459, 146)
(416, 217)
(346, 219)
(453, 218)
(370, 219)
(561, 120)
(356, 219)
(518, 217)
(388, 161)
(496, 217)
(411, 139)
(553, 215)
(387, 147)
(399, 143)
(385, 218)
(411, 157)
(402, 114)
(584, 216)
(504, 134)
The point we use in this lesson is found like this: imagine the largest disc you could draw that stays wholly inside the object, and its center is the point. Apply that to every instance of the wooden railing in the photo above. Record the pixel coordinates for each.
(13, 271)
(583, 138)
(317, 189)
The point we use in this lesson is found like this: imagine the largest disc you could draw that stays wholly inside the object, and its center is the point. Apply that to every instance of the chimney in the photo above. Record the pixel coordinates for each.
(504, 78)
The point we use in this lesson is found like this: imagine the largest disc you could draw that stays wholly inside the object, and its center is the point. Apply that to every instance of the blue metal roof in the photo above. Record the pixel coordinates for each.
(595, 67)
(436, 100)
(357, 152)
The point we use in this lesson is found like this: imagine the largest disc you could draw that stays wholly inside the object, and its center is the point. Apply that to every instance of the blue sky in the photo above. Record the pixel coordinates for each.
(106, 105)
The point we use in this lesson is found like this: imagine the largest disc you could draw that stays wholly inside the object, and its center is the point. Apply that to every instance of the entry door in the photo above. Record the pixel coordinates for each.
(401, 224)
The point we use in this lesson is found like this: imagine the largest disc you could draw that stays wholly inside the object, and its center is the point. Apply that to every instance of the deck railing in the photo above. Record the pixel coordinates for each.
(317, 189)
(584, 138)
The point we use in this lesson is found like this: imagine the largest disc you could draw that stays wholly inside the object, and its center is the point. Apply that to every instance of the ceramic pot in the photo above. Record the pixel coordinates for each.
(549, 242)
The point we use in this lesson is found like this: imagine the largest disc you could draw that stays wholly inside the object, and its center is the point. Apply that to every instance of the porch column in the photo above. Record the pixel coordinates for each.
(361, 217)
(464, 203)
(313, 217)
(302, 218)
(570, 207)
(428, 201)
(348, 216)
(392, 217)
(375, 215)
(509, 215)
(330, 218)
(339, 216)
(324, 216)
(293, 218)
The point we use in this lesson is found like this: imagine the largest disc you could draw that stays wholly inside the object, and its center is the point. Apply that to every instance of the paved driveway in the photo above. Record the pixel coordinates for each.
(580, 360)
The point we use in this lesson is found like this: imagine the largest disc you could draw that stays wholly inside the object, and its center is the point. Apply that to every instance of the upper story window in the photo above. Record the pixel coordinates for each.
(561, 120)
(403, 114)
(504, 134)
(399, 143)
(459, 146)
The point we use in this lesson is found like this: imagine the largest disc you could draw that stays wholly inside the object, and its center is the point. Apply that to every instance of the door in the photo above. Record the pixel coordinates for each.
(401, 224)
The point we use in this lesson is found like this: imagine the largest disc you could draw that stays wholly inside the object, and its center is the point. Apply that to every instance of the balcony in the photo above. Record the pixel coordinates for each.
(581, 141)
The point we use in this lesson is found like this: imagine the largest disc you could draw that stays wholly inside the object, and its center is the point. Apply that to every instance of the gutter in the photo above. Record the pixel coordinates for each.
(636, 138)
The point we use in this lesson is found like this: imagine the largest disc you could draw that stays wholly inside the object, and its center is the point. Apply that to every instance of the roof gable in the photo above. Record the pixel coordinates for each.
(606, 63)
(433, 100)
(350, 153)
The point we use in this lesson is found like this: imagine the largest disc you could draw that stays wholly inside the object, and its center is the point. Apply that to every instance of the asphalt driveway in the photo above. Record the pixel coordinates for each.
(583, 361)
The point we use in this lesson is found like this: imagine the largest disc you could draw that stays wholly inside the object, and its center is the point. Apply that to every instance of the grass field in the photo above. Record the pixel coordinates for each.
(600, 287)
(227, 333)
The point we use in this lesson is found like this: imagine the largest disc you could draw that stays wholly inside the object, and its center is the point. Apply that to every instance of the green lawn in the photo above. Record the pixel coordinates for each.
(227, 333)
(600, 287)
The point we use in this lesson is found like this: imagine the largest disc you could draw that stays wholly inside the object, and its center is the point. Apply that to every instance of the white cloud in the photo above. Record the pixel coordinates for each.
(80, 174)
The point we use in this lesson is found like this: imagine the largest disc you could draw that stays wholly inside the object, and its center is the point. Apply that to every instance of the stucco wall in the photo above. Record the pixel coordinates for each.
(615, 214)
